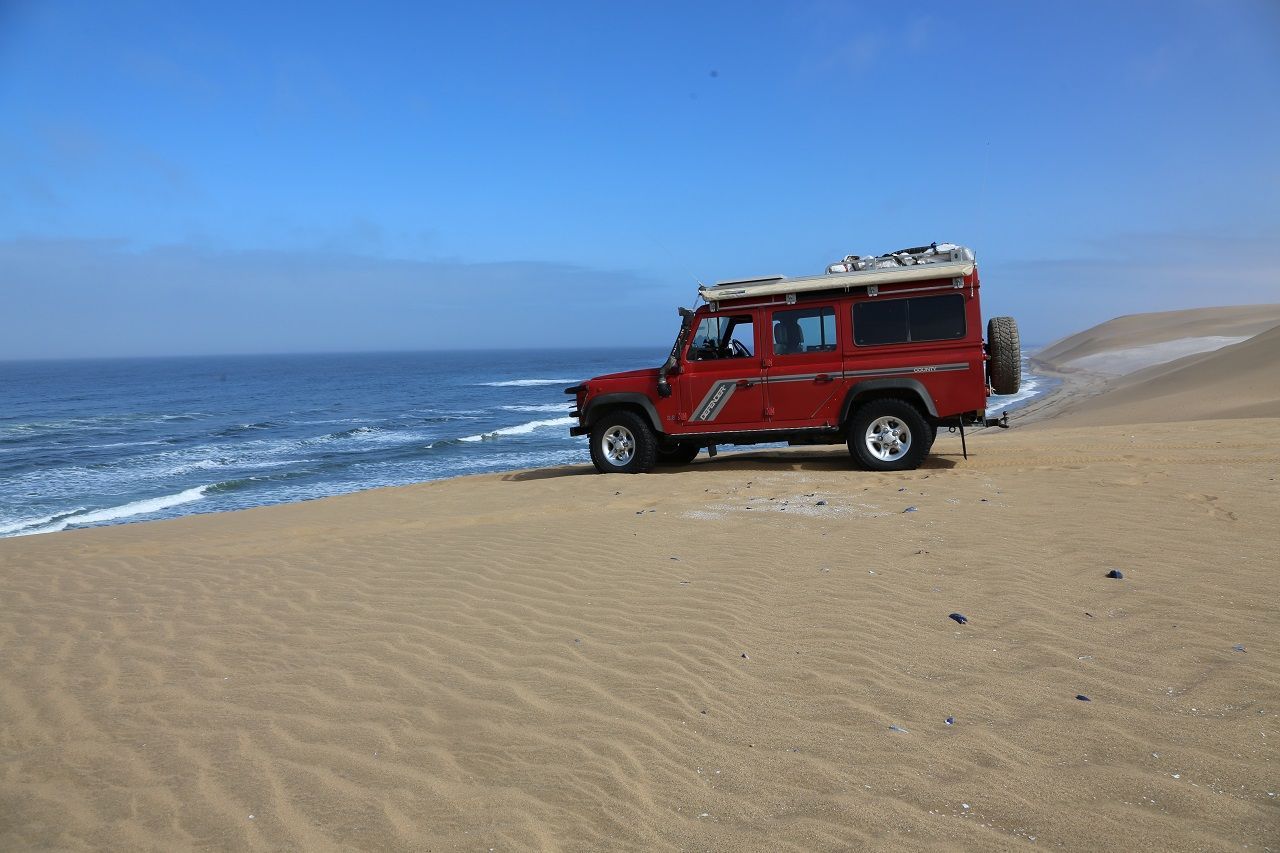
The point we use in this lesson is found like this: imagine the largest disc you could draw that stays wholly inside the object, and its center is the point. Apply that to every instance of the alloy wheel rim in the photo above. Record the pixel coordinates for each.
(888, 438)
(619, 445)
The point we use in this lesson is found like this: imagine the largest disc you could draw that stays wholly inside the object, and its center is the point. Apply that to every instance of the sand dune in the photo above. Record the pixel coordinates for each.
(1185, 365)
(1238, 381)
(706, 658)
(1233, 322)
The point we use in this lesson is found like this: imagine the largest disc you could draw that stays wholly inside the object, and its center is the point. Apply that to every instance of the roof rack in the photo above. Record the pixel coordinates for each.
(939, 260)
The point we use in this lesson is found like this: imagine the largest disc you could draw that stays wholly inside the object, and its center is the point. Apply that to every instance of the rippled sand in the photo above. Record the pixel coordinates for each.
(701, 659)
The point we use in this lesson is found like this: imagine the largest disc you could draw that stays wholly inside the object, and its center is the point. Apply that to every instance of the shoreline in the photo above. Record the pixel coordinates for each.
(189, 495)
(1073, 386)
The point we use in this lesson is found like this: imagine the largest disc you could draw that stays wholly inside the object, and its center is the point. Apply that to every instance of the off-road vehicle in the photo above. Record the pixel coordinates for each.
(877, 352)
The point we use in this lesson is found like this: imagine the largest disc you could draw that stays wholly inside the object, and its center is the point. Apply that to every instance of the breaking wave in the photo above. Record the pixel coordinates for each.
(555, 407)
(521, 429)
(525, 383)
(62, 521)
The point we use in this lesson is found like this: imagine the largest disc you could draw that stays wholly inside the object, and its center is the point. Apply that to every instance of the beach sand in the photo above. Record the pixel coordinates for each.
(751, 653)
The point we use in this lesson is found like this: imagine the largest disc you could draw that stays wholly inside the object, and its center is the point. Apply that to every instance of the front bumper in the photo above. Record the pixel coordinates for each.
(576, 391)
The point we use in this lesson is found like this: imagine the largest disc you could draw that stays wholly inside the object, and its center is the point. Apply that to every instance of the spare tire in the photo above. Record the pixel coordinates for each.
(1004, 351)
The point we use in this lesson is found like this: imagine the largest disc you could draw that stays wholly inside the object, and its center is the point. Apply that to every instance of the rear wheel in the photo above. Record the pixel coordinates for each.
(1004, 348)
(682, 453)
(889, 435)
(623, 443)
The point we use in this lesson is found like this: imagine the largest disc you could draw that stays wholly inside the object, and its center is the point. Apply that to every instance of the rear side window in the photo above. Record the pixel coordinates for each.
(900, 321)
(804, 330)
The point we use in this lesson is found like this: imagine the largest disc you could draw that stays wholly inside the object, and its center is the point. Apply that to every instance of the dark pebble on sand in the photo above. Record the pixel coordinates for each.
(1083, 698)
(744, 656)
(959, 617)
(1116, 574)
(951, 721)
(821, 503)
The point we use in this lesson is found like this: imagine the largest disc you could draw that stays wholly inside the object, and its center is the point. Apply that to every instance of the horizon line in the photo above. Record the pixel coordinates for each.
(52, 358)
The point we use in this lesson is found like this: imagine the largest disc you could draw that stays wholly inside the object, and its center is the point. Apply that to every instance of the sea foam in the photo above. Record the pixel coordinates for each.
(553, 407)
(521, 429)
(97, 516)
(522, 383)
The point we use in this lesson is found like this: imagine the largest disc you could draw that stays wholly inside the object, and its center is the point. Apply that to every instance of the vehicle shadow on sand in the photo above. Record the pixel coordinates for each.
(747, 461)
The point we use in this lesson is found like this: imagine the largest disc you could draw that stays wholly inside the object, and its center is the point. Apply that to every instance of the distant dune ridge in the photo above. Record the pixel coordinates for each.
(1159, 327)
(751, 653)
(1230, 369)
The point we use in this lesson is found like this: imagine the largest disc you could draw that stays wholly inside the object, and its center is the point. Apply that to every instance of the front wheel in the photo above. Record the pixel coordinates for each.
(622, 443)
(889, 435)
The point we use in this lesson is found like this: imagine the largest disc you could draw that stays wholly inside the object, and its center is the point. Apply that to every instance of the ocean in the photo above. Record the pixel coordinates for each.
(94, 442)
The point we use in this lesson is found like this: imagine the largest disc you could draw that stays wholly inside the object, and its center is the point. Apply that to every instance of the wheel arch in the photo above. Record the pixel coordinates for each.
(912, 390)
(638, 403)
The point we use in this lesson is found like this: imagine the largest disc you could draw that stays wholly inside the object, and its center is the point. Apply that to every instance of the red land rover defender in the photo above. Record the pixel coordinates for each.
(878, 352)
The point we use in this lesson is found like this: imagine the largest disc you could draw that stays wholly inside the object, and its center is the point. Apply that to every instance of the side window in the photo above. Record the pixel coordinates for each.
(898, 321)
(876, 323)
(804, 330)
(937, 318)
(722, 337)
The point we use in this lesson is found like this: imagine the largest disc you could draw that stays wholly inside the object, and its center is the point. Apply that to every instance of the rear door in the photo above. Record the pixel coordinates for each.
(803, 366)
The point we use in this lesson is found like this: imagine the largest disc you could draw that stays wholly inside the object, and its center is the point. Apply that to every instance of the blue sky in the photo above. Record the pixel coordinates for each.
(197, 178)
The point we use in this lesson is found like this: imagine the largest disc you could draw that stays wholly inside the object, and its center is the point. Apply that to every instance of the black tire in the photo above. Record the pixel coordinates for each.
(610, 437)
(1004, 348)
(909, 436)
(682, 453)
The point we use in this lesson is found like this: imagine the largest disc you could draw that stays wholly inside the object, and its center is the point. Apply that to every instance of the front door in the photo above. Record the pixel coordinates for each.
(805, 372)
(721, 387)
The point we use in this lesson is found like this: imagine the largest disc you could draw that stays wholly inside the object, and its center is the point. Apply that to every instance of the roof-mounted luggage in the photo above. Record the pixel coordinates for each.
(938, 260)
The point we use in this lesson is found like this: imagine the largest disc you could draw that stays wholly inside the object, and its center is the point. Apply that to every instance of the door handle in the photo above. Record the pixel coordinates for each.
(745, 383)
(822, 377)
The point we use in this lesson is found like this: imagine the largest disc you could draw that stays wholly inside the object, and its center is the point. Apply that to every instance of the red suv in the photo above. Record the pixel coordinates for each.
(878, 352)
